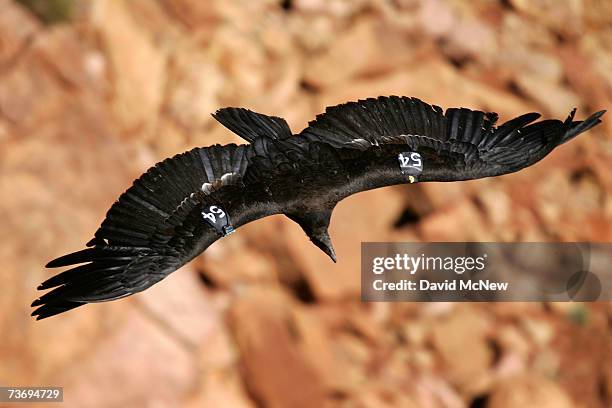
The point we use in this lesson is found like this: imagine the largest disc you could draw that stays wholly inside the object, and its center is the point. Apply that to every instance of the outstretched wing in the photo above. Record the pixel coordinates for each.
(175, 211)
(156, 226)
(458, 144)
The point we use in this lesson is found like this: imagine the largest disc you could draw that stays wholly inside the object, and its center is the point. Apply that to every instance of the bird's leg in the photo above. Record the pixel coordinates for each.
(315, 225)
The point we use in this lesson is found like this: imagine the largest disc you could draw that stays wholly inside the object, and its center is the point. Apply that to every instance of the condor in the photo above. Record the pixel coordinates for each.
(179, 207)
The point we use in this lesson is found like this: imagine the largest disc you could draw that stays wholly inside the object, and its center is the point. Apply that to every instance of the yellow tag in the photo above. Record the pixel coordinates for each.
(411, 179)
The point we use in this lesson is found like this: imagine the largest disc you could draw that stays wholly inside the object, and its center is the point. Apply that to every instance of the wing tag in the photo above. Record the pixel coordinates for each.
(411, 164)
(218, 219)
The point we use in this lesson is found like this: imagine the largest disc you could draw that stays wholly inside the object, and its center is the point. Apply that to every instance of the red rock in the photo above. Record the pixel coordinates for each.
(183, 305)
(196, 15)
(29, 94)
(41, 175)
(335, 8)
(529, 391)
(137, 67)
(17, 26)
(556, 100)
(584, 355)
(320, 349)
(432, 391)
(221, 389)
(316, 32)
(444, 195)
(452, 89)
(144, 347)
(462, 222)
(221, 265)
(566, 18)
(464, 35)
(173, 140)
(159, 18)
(276, 372)
(461, 341)
(584, 66)
(379, 397)
(78, 66)
(366, 59)
(284, 97)
(498, 206)
(608, 381)
(197, 84)
(243, 62)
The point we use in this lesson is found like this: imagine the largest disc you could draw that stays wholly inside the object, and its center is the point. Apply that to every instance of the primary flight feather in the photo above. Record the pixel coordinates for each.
(179, 207)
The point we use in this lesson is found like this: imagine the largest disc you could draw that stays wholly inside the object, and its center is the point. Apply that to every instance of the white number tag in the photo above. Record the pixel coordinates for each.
(211, 215)
(410, 160)
(411, 165)
(218, 219)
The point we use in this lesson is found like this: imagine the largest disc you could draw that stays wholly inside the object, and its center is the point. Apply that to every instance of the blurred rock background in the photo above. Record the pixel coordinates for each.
(92, 93)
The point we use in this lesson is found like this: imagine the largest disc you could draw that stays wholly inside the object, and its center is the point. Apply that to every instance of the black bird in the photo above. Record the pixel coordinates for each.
(179, 207)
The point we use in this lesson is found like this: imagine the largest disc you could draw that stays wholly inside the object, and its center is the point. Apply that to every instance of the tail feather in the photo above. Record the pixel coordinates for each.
(252, 125)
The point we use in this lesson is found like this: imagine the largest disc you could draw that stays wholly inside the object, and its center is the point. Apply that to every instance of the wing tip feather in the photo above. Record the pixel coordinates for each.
(576, 128)
(51, 309)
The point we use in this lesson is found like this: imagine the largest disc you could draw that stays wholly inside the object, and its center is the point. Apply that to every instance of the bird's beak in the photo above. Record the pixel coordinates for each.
(330, 252)
(323, 241)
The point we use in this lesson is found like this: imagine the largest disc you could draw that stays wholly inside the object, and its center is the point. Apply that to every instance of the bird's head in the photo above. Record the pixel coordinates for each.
(315, 226)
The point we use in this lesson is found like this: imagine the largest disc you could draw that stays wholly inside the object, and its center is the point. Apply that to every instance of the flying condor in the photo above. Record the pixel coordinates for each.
(179, 207)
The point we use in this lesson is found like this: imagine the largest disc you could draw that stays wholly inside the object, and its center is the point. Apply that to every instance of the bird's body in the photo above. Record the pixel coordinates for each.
(182, 205)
